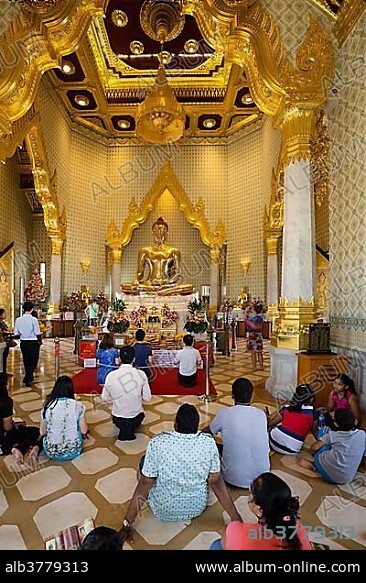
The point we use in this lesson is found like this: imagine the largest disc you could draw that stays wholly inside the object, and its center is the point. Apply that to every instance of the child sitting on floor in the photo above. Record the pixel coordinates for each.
(343, 396)
(339, 453)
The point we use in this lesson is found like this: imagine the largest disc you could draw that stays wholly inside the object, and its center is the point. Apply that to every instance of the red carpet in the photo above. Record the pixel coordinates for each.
(85, 382)
(165, 383)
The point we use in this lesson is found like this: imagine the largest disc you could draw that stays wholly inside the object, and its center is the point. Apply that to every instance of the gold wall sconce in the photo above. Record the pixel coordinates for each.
(245, 264)
(85, 264)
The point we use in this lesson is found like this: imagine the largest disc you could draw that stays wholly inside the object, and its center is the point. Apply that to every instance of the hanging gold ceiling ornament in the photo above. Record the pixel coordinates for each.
(40, 6)
(162, 20)
(160, 118)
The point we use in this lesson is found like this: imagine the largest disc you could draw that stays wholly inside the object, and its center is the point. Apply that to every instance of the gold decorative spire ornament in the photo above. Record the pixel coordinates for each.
(160, 118)
(40, 6)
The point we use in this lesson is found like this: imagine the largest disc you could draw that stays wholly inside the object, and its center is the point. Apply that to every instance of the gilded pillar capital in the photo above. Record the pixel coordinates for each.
(57, 245)
(116, 255)
(272, 245)
(298, 129)
(215, 253)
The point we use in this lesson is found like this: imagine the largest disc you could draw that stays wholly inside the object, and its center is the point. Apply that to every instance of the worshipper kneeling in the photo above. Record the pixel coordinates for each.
(177, 471)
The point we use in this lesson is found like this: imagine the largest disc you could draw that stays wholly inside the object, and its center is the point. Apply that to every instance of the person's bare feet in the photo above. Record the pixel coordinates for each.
(33, 456)
(18, 455)
(305, 464)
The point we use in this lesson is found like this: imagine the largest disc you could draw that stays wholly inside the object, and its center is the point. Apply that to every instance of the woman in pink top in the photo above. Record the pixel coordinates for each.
(277, 527)
(344, 396)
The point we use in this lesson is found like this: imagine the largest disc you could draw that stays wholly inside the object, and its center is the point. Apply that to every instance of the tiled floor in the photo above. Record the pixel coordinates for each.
(35, 504)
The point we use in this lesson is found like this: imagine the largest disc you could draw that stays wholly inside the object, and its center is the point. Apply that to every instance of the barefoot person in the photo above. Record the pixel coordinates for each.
(14, 438)
(177, 471)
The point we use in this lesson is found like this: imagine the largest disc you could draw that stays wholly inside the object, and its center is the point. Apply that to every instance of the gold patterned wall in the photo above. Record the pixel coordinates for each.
(292, 19)
(57, 138)
(322, 225)
(16, 222)
(87, 216)
(348, 195)
(250, 163)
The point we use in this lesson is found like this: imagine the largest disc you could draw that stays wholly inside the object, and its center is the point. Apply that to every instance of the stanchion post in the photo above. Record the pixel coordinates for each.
(208, 397)
(57, 357)
(233, 339)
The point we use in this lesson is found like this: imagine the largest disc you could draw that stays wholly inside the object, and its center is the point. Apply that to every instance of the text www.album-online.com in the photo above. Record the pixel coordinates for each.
(300, 567)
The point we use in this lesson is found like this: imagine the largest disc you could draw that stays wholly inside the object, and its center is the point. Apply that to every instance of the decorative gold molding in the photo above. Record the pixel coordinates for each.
(194, 214)
(321, 159)
(116, 255)
(273, 218)
(46, 188)
(272, 245)
(57, 245)
(36, 52)
(350, 13)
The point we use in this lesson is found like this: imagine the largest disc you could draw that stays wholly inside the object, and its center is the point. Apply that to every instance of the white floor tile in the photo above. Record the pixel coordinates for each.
(11, 539)
(92, 462)
(67, 511)
(42, 483)
(134, 447)
(202, 541)
(3, 502)
(157, 532)
(119, 486)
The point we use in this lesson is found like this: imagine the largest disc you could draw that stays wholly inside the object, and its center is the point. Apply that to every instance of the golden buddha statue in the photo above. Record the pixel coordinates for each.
(158, 270)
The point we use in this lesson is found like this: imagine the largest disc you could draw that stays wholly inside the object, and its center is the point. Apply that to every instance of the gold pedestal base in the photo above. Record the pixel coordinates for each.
(292, 324)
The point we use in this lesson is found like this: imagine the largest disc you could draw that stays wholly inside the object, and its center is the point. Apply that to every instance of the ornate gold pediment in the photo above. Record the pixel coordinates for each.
(194, 214)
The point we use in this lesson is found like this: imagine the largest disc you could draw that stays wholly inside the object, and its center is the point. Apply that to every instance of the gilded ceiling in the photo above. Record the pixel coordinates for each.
(225, 62)
(102, 83)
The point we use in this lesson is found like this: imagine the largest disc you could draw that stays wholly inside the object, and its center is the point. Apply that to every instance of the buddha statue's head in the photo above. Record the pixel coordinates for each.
(160, 229)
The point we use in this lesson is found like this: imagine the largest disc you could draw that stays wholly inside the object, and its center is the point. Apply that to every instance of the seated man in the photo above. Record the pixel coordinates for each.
(188, 358)
(127, 387)
(178, 469)
(245, 450)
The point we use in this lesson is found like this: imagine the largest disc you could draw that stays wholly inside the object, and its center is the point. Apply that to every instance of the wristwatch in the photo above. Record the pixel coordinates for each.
(126, 524)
